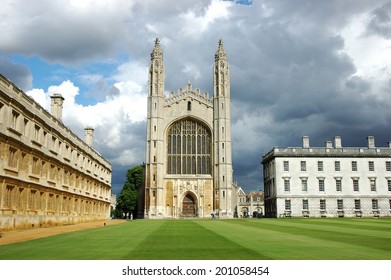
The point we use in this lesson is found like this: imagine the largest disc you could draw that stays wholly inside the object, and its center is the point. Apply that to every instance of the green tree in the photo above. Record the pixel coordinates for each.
(127, 200)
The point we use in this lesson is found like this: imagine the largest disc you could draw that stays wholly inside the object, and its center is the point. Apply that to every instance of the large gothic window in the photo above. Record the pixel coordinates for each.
(188, 148)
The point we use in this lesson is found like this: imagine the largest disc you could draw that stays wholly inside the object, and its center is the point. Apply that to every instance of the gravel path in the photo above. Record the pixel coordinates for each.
(9, 237)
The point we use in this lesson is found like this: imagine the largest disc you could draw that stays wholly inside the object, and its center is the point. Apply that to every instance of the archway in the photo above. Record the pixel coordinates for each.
(189, 207)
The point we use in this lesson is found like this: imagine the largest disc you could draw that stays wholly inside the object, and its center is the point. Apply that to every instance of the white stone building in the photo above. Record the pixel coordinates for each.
(330, 181)
(188, 171)
(48, 175)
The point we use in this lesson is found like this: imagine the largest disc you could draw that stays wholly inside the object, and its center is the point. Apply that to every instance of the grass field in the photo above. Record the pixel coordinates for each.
(236, 239)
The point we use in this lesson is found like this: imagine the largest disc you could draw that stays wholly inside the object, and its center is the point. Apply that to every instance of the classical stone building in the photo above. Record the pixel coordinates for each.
(330, 181)
(188, 170)
(48, 175)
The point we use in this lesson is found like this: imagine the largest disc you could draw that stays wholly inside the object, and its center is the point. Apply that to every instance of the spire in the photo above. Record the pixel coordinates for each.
(157, 51)
(220, 53)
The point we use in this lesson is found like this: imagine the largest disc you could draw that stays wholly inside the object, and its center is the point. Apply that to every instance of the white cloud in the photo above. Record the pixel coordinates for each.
(41, 97)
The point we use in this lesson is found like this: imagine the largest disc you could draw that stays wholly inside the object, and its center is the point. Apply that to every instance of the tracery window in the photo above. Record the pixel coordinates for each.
(188, 148)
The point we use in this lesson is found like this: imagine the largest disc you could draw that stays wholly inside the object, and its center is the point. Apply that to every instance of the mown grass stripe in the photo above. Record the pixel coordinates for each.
(375, 224)
(275, 243)
(343, 228)
(187, 240)
(105, 243)
(361, 237)
(283, 239)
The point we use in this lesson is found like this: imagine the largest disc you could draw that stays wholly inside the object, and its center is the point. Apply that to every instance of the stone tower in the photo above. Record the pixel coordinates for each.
(222, 132)
(188, 171)
(154, 156)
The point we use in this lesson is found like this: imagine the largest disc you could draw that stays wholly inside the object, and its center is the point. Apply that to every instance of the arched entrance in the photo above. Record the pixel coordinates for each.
(189, 208)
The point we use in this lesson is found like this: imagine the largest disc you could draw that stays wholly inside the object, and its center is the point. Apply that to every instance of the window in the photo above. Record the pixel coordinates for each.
(375, 205)
(53, 172)
(32, 199)
(286, 165)
(372, 183)
(287, 186)
(12, 158)
(9, 196)
(340, 204)
(188, 106)
(389, 184)
(45, 138)
(303, 166)
(51, 202)
(357, 204)
(188, 148)
(388, 165)
(337, 166)
(304, 186)
(321, 185)
(305, 204)
(1, 110)
(322, 204)
(371, 166)
(287, 204)
(35, 167)
(320, 165)
(354, 165)
(355, 185)
(338, 185)
(54, 143)
(26, 128)
(15, 120)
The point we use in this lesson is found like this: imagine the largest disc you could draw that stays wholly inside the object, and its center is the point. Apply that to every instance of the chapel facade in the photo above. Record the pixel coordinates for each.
(188, 170)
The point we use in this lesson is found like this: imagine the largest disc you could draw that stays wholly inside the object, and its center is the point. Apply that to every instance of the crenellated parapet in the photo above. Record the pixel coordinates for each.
(189, 92)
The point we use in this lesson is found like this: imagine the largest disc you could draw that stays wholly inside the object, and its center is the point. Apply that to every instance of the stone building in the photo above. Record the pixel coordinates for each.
(256, 204)
(188, 171)
(48, 175)
(330, 181)
(242, 204)
(249, 205)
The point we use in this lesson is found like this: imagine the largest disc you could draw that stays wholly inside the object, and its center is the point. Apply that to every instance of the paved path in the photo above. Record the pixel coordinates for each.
(9, 237)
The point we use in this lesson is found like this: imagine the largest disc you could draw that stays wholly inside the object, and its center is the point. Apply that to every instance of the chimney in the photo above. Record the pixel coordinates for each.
(337, 142)
(329, 144)
(306, 142)
(89, 135)
(371, 142)
(57, 101)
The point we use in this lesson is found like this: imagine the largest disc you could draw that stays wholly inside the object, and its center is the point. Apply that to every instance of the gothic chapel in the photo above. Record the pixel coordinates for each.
(188, 170)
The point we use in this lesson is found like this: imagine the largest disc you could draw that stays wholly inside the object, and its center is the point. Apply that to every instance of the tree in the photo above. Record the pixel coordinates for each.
(127, 200)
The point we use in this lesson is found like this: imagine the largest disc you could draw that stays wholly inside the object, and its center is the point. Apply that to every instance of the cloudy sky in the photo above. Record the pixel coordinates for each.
(298, 67)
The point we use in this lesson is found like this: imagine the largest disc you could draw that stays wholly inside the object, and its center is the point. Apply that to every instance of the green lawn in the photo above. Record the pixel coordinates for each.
(236, 239)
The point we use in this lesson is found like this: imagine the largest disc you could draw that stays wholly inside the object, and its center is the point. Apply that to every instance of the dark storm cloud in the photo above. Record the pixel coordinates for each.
(64, 32)
(380, 23)
(19, 74)
(290, 72)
